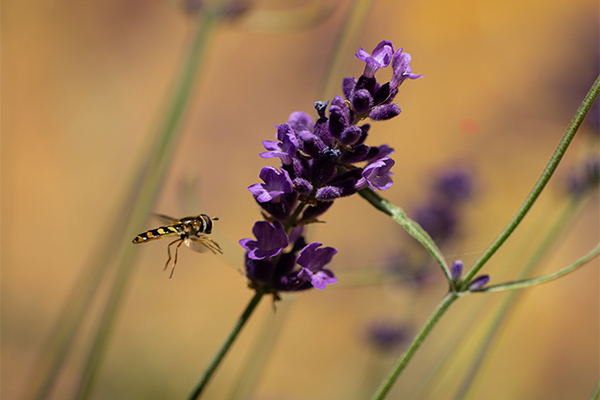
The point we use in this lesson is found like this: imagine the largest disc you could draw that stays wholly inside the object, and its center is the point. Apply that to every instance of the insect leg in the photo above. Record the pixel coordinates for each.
(169, 253)
(175, 259)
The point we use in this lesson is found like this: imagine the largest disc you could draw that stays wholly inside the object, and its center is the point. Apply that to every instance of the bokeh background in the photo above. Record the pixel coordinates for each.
(83, 86)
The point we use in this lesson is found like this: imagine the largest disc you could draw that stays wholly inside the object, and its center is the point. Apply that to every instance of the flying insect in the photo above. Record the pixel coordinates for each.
(193, 231)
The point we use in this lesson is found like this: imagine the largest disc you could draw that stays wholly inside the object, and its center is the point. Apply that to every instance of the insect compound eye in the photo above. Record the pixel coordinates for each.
(208, 224)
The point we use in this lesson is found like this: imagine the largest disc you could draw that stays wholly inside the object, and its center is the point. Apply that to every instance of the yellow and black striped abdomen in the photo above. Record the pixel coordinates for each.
(163, 231)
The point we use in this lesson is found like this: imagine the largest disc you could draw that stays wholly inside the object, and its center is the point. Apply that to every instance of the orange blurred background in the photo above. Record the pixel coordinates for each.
(83, 85)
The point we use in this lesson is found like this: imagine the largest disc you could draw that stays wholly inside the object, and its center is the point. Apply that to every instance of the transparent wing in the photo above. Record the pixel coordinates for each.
(165, 218)
(202, 243)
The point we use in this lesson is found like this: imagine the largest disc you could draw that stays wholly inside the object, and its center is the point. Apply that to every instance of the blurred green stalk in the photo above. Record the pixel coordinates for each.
(137, 203)
(496, 326)
(220, 354)
(540, 184)
(451, 296)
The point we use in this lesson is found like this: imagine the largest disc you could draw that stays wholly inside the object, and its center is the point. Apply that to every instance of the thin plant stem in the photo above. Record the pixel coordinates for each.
(261, 351)
(411, 227)
(525, 283)
(596, 393)
(225, 346)
(540, 184)
(558, 227)
(150, 183)
(403, 361)
(351, 26)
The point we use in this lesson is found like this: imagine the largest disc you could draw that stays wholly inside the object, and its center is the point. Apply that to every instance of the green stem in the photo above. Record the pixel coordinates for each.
(543, 279)
(148, 184)
(596, 393)
(414, 346)
(413, 229)
(494, 329)
(540, 184)
(220, 354)
(353, 22)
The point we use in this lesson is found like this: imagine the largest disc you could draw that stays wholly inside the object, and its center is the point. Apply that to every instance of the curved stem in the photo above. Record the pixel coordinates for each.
(540, 184)
(147, 184)
(402, 362)
(220, 354)
(410, 226)
(545, 278)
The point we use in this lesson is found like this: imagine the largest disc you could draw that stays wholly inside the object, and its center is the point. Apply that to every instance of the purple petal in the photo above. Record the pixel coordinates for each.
(402, 69)
(271, 239)
(321, 279)
(378, 175)
(313, 258)
(277, 183)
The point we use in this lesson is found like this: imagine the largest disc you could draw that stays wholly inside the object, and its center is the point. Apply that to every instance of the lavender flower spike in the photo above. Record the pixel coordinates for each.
(270, 240)
(277, 183)
(313, 259)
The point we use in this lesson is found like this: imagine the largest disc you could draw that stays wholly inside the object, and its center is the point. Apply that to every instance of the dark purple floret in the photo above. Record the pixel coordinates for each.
(348, 85)
(259, 271)
(350, 135)
(338, 120)
(358, 154)
(277, 183)
(478, 283)
(362, 101)
(329, 193)
(270, 240)
(312, 212)
(301, 121)
(313, 260)
(385, 112)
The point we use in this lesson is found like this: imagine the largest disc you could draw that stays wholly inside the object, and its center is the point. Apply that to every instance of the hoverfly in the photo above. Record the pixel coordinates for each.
(192, 231)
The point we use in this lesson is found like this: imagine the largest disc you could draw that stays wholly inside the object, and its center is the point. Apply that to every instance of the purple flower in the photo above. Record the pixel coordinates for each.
(313, 259)
(277, 183)
(438, 219)
(377, 175)
(478, 283)
(385, 112)
(402, 69)
(382, 55)
(301, 121)
(270, 240)
(454, 185)
(456, 270)
(386, 336)
(285, 149)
